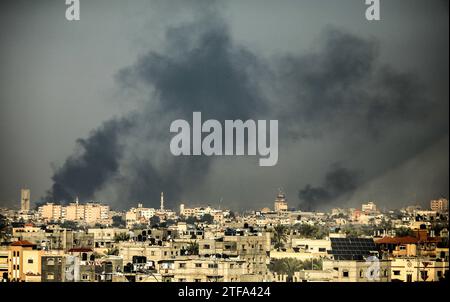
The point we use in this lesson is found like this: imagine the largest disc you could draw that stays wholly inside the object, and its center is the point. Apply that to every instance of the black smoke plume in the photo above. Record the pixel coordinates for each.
(339, 89)
(338, 182)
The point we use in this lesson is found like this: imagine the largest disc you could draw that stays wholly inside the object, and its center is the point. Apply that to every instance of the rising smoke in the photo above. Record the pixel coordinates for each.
(339, 89)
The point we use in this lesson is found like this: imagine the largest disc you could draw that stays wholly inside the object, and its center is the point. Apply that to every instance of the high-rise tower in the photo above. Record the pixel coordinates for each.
(280, 204)
(25, 200)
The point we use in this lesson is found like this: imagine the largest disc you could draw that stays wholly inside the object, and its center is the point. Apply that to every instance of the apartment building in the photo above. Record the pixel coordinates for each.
(254, 249)
(105, 238)
(358, 270)
(53, 237)
(90, 213)
(196, 269)
(4, 254)
(439, 205)
(418, 269)
(24, 262)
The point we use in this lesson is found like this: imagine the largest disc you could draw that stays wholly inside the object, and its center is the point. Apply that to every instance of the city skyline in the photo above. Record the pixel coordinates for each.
(280, 202)
(362, 108)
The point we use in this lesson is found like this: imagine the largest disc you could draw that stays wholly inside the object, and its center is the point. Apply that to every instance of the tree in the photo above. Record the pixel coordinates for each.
(121, 237)
(207, 218)
(404, 232)
(68, 224)
(289, 266)
(311, 231)
(192, 248)
(191, 220)
(113, 251)
(5, 229)
(286, 266)
(118, 221)
(154, 220)
(279, 236)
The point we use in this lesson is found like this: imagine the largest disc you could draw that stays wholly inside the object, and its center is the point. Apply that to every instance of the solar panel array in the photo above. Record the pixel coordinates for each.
(352, 248)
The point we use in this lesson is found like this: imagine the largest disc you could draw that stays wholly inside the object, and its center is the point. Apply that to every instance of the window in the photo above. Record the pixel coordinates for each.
(409, 278)
(396, 273)
(361, 273)
(345, 274)
(198, 265)
(30, 261)
(50, 261)
(322, 249)
(182, 265)
(213, 265)
(206, 246)
(50, 276)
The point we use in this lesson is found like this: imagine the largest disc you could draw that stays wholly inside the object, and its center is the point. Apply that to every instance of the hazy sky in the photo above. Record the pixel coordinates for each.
(363, 106)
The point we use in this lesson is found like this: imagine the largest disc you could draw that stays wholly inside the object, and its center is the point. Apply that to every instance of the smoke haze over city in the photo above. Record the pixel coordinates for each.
(362, 109)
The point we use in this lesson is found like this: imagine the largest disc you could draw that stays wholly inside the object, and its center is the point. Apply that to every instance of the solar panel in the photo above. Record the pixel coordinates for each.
(352, 248)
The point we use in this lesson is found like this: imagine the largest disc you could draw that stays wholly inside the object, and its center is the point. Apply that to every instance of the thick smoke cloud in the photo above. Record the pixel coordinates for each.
(93, 163)
(339, 90)
(129, 159)
(339, 181)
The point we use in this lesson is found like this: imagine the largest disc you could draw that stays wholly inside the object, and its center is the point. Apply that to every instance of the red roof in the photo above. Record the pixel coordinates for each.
(397, 240)
(80, 250)
(22, 243)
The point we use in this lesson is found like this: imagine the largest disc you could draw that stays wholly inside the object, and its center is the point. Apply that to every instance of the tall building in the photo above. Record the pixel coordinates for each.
(162, 201)
(90, 213)
(25, 200)
(24, 262)
(439, 205)
(280, 202)
(182, 209)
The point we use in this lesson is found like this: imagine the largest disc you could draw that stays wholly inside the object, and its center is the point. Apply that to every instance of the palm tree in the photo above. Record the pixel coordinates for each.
(292, 265)
(279, 236)
(286, 266)
(192, 248)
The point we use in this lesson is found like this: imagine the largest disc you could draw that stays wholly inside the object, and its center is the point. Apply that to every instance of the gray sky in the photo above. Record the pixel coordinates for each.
(61, 80)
